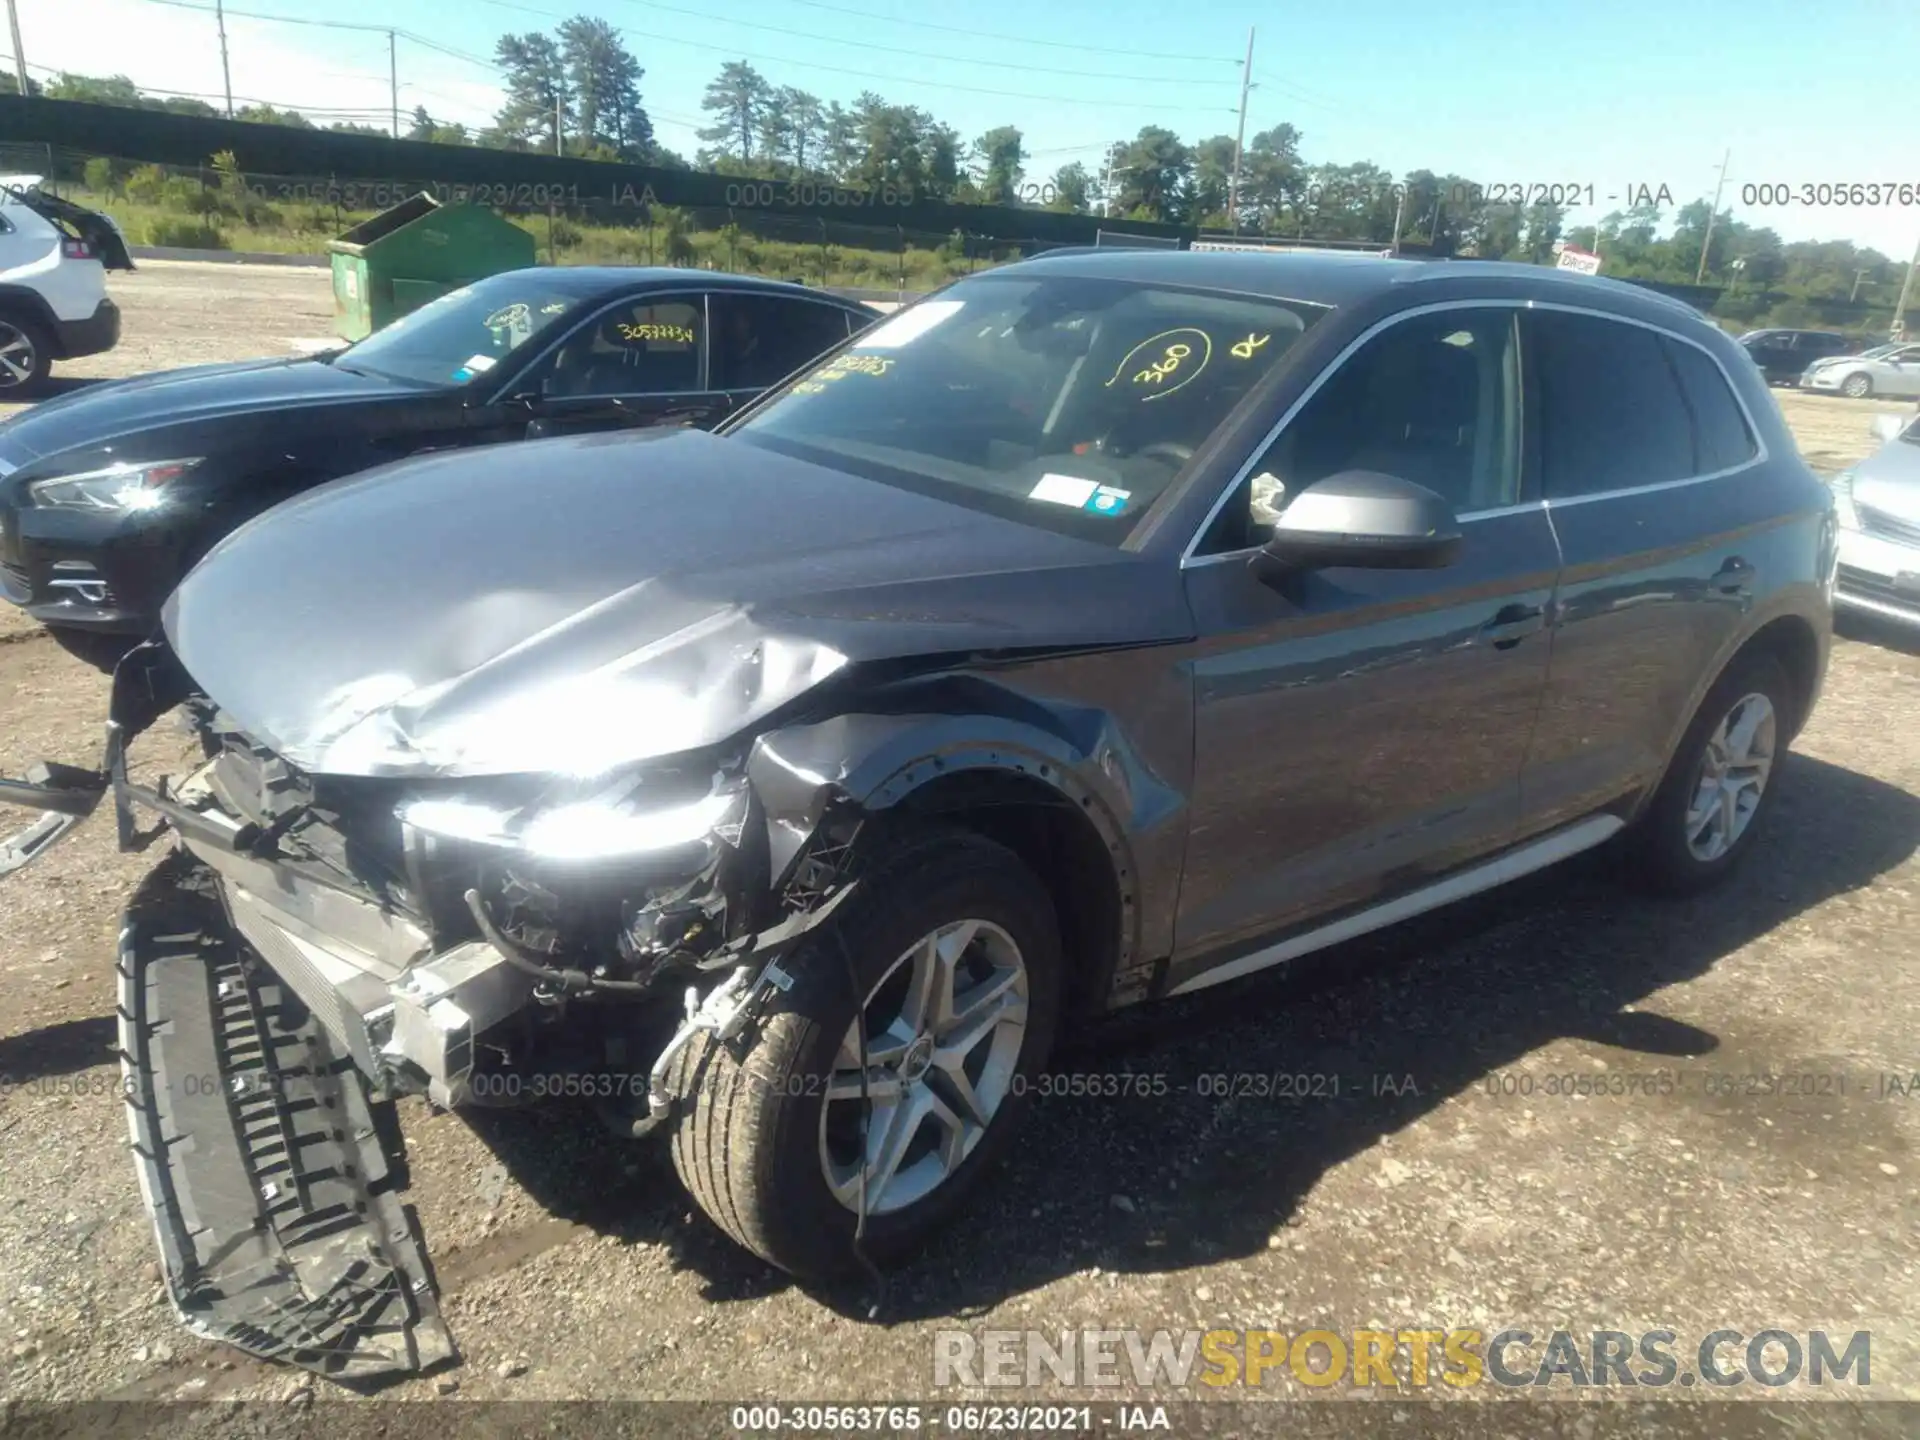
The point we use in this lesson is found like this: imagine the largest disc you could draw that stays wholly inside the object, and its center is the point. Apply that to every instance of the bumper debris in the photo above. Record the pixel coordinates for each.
(271, 1191)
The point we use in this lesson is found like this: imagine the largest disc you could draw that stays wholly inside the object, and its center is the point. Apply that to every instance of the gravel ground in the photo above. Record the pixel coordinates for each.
(571, 1267)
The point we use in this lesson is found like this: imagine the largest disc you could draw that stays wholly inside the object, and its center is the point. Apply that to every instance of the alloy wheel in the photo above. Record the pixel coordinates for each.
(944, 1027)
(1732, 777)
(16, 356)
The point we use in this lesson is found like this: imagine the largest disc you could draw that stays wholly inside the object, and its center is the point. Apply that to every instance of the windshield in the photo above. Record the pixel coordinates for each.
(462, 335)
(1065, 402)
(1878, 352)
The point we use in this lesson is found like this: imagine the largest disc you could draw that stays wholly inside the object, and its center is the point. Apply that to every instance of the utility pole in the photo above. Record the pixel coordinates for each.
(19, 50)
(1239, 136)
(1712, 215)
(556, 121)
(1906, 289)
(226, 75)
(1399, 214)
(1106, 181)
(393, 81)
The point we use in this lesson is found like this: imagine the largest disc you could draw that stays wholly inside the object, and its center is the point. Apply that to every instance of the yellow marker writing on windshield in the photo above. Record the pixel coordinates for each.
(1172, 360)
(1164, 367)
(1252, 343)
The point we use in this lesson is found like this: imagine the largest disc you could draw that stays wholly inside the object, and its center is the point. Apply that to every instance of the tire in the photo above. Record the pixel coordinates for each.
(1662, 854)
(23, 376)
(1857, 387)
(755, 1133)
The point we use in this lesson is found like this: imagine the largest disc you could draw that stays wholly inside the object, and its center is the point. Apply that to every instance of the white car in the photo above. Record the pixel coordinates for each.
(1878, 505)
(54, 256)
(1884, 370)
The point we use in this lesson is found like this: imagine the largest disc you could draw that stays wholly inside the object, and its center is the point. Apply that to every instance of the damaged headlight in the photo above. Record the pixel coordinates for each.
(136, 485)
(625, 821)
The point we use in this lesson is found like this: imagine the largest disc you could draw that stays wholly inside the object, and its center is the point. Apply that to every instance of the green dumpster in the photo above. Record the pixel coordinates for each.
(419, 250)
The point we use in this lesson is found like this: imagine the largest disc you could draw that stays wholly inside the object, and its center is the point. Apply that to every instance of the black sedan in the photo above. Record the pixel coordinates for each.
(108, 496)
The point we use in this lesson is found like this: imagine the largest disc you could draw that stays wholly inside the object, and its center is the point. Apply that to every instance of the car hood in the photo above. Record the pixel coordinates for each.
(99, 414)
(1889, 480)
(575, 605)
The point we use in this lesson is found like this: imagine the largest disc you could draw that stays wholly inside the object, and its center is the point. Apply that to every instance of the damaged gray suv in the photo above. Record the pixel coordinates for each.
(1100, 629)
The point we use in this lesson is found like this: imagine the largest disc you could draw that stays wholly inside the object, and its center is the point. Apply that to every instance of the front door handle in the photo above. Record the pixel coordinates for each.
(1735, 577)
(1513, 623)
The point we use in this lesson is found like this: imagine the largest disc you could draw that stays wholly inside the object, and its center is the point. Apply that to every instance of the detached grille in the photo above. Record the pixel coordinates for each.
(14, 580)
(1888, 527)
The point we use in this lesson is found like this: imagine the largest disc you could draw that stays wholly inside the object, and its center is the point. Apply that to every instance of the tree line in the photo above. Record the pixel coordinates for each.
(577, 91)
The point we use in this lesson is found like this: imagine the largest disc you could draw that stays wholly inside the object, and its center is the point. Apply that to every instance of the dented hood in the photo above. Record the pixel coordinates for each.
(574, 605)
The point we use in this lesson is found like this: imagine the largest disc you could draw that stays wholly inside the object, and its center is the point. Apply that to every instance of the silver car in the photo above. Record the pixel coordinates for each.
(1878, 504)
(1883, 370)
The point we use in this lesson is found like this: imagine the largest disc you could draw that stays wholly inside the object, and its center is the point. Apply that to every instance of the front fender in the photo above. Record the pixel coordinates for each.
(876, 761)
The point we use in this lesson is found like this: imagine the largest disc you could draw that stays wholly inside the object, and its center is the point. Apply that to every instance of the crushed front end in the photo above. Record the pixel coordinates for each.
(315, 946)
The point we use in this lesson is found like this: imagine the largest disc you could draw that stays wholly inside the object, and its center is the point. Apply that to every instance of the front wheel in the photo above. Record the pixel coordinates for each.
(1708, 808)
(1857, 387)
(785, 1142)
(26, 358)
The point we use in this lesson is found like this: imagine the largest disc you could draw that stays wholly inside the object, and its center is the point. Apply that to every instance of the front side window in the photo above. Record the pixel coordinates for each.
(1063, 401)
(649, 346)
(1612, 415)
(1434, 399)
(461, 336)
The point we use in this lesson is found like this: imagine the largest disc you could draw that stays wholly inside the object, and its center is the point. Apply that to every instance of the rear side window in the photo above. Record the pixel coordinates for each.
(1722, 439)
(759, 340)
(1612, 415)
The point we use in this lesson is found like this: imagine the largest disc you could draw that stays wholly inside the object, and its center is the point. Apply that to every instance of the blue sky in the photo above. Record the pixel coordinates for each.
(1611, 95)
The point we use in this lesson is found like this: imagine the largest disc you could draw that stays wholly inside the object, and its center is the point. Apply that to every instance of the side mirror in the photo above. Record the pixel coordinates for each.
(1888, 427)
(1363, 519)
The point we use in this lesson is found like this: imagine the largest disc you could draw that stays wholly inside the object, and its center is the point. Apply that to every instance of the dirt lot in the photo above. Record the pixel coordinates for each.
(572, 1267)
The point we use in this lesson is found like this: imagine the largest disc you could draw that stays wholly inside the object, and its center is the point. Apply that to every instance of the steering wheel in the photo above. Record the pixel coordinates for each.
(1172, 450)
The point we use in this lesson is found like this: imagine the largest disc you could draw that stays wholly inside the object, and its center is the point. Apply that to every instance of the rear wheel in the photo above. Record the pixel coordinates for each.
(26, 358)
(1857, 387)
(784, 1141)
(1708, 809)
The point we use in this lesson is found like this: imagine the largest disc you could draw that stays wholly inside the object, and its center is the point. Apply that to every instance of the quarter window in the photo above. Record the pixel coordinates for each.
(1612, 415)
(1722, 439)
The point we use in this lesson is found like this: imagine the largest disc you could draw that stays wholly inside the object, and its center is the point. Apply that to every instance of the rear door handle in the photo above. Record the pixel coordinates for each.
(1735, 577)
(1513, 623)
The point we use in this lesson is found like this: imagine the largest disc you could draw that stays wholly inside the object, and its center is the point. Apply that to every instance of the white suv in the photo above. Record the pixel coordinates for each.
(54, 256)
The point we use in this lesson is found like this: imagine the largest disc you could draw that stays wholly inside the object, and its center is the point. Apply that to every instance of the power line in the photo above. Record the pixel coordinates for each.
(407, 35)
(922, 54)
(1073, 45)
(866, 75)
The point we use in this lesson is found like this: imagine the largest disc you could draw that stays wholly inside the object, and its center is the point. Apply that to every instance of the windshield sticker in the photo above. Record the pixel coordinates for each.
(1164, 363)
(910, 324)
(1248, 347)
(1108, 501)
(1064, 490)
(553, 307)
(508, 316)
